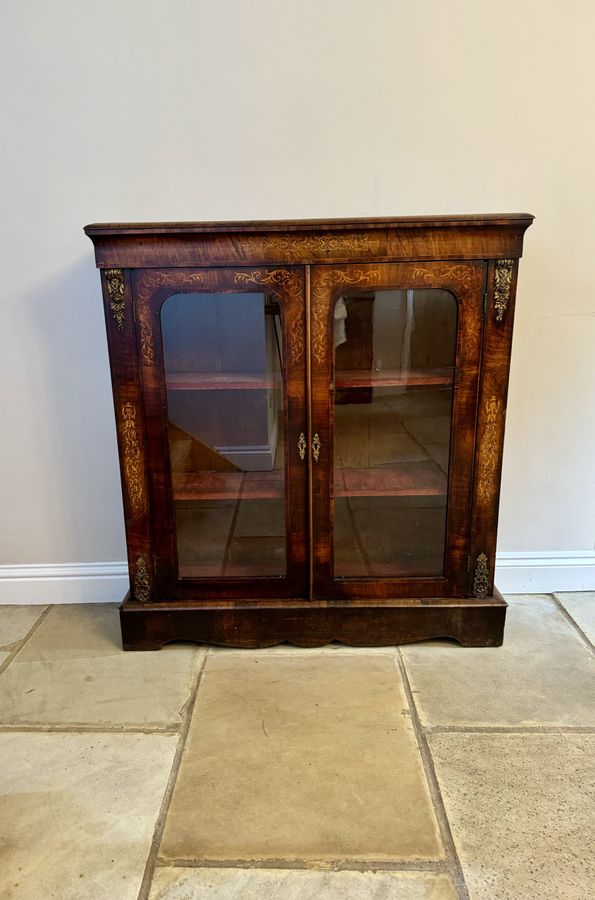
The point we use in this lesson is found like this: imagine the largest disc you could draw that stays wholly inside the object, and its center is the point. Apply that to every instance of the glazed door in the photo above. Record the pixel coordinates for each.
(392, 441)
(222, 360)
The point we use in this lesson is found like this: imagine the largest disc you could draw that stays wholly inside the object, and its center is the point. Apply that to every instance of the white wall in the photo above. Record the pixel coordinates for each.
(142, 110)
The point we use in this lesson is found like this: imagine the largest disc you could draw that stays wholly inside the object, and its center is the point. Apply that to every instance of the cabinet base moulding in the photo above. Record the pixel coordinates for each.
(249, 624)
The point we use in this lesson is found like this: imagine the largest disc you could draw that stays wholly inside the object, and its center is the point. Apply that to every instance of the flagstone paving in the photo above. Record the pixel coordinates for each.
(426, 772)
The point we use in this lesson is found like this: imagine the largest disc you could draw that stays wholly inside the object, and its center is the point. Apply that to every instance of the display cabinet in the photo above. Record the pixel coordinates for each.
(310, 421)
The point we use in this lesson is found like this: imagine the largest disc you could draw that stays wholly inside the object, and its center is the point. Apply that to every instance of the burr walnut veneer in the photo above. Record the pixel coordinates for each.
(310, 421)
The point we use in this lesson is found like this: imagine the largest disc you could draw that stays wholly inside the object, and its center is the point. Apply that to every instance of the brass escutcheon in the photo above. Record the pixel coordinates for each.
(316, 447)
(302, 445)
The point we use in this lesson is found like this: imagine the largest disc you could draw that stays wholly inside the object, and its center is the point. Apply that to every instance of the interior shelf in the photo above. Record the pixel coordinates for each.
(344, 378)
(407, 480)
(354, 378)
(217, 381)
(211, 485)
(229, 570)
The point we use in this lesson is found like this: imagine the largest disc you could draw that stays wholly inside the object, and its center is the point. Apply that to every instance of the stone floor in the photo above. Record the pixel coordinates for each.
(428, 771)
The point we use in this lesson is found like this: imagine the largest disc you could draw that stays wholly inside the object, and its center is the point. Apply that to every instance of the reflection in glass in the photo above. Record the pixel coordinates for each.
(394, 364)
(223, 372)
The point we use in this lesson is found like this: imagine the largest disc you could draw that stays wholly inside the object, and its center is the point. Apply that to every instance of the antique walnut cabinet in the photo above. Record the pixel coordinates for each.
(310, 419)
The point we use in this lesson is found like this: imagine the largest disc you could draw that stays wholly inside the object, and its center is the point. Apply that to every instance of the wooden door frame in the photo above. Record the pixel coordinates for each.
(466, 281)
(150, 289)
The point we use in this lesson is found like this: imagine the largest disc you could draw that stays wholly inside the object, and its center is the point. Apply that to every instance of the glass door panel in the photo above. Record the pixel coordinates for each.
(394, 353)
(224, 363)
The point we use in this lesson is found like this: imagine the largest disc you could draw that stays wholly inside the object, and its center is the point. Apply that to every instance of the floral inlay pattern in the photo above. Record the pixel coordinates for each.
(132, 458)
(489, 455)
(147, 283)
(291, 283)
(326, 280)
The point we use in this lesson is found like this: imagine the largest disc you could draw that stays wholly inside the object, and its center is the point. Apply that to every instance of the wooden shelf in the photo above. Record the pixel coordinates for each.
(211, 485)
(414, 567)
(360, 378)
(406, 480)
(345, 378)
(231, 570)
(218, 381)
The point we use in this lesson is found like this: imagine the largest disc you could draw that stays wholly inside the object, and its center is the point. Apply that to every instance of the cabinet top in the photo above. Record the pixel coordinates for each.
(188, 244)
(144, 228)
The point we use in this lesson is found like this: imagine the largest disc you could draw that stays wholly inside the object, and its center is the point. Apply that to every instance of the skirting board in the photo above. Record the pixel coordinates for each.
(102, 582)
(107, 582)
(545, 572)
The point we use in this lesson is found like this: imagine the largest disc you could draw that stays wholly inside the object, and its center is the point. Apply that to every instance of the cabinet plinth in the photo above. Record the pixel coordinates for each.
(310, 422)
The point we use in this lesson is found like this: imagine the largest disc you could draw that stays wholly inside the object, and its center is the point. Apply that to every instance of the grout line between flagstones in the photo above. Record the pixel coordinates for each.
(455, 869)
(338, 864)
(151, 862)
(573, 622)
(508, 729)
(86, 728)
(20, 644)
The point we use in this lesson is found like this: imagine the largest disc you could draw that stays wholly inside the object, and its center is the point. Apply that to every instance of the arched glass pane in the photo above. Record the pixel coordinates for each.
(223, 356)
(394, 375)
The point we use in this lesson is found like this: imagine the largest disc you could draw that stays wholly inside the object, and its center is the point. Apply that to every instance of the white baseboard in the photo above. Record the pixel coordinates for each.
(102, 582)
(545, 572)
(107, 582)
